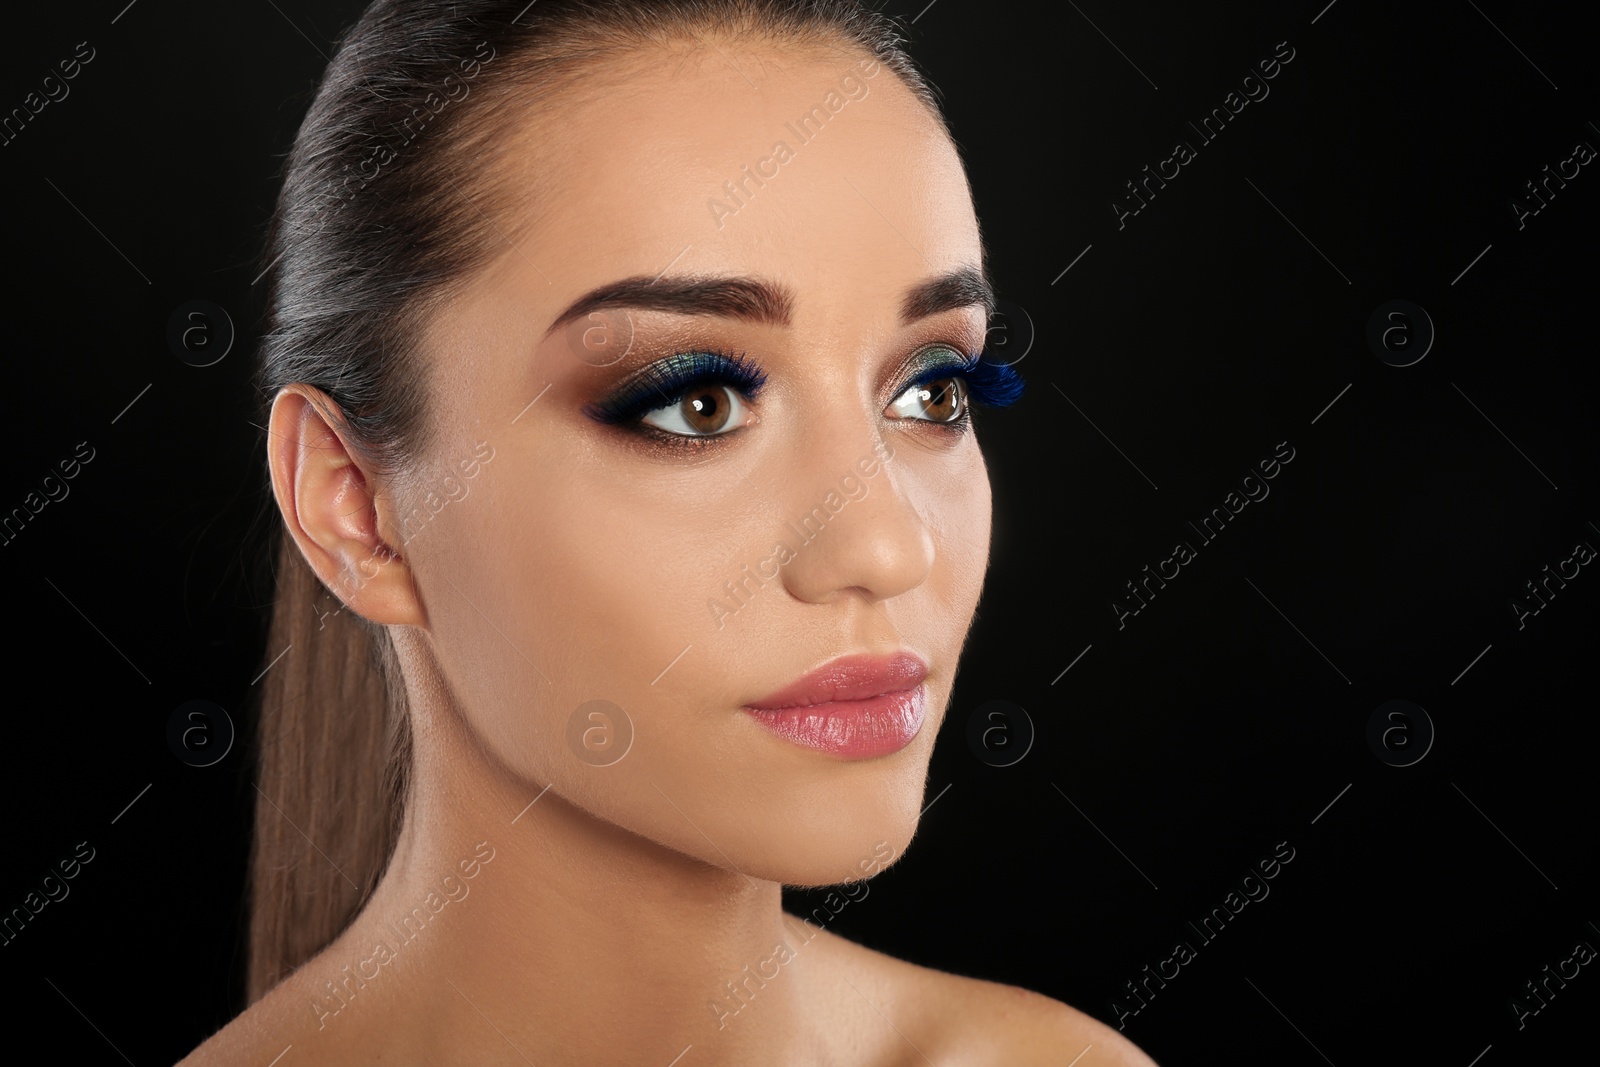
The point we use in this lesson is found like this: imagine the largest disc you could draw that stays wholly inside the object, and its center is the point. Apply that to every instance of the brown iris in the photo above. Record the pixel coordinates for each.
(706, 411)
(941, 399)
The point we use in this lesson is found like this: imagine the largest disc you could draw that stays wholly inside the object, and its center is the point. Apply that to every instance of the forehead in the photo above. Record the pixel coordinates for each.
(817, 166)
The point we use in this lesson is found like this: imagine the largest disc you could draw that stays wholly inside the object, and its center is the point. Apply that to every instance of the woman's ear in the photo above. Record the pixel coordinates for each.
(328, 501)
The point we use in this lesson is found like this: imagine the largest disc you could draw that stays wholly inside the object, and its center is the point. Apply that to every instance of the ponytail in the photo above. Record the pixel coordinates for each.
(333, 743)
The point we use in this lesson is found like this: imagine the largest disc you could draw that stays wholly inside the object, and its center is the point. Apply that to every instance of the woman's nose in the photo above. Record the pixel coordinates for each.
(855, 520)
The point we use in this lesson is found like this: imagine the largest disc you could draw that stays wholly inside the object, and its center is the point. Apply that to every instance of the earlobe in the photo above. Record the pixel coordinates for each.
(327, 498)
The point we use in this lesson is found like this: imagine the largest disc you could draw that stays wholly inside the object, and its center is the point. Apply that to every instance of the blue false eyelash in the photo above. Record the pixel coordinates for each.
(668, 381)
(991, 384)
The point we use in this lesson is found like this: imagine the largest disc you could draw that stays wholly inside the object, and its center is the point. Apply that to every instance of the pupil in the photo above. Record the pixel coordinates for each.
(941, 401)
(706, 412)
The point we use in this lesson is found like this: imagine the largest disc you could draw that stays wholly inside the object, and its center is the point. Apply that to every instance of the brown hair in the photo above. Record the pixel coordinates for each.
(385, 209)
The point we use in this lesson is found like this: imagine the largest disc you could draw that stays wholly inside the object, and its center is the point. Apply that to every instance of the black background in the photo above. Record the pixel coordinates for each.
(1222, 719)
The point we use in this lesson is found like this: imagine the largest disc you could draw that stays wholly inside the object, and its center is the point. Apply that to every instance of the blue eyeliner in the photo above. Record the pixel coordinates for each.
(991, 384)
(670, 380)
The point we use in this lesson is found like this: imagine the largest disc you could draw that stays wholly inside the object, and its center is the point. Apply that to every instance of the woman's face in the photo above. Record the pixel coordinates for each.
(565, 559)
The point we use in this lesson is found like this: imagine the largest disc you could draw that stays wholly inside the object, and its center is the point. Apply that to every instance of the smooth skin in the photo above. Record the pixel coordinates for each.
(579, 565)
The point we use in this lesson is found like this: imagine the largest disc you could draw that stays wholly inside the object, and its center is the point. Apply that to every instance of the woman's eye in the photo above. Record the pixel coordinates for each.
(941, 400)
(704, 411)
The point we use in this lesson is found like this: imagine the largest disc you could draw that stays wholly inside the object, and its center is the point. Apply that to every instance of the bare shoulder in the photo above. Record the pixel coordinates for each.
(279, 1021)
(1018, 1026)
(977, 1022)
(244, 1037)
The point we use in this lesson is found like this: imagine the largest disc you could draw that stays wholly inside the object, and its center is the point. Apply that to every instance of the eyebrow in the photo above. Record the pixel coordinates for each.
(768, 303)
(966, 287)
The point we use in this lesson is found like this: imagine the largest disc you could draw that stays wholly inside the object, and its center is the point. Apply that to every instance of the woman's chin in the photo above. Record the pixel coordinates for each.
(853, 855)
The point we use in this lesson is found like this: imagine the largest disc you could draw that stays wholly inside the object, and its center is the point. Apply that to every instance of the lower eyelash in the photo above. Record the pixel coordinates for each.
(657, 437)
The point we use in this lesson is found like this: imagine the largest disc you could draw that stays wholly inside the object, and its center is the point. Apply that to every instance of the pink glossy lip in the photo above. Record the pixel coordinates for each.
(854, 707)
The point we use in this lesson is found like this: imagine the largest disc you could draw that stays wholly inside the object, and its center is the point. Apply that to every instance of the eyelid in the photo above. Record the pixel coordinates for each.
(933, 370)
(665, 382)
(987, 383)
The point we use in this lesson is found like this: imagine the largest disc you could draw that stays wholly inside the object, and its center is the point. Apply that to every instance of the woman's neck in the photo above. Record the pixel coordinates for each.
(511, 919)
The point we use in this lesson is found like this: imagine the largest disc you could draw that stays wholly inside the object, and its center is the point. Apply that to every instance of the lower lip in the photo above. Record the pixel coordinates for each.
(851, 729)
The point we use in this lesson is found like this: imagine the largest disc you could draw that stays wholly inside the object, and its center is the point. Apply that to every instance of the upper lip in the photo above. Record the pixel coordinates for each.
(853, 677)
